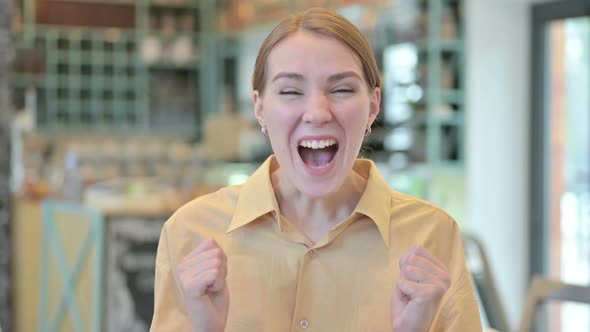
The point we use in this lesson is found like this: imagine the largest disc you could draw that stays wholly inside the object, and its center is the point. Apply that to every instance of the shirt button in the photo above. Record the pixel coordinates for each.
(304, 323)
(313, 252)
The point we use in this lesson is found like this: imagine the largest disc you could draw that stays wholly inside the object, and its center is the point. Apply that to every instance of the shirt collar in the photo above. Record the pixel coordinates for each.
(375, 203)
(257, 197)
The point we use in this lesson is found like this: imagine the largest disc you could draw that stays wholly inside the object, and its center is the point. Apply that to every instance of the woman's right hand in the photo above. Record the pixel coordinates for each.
(202, 277)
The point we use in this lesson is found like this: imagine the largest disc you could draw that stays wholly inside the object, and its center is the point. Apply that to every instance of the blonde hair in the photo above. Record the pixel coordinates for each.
(325, 22)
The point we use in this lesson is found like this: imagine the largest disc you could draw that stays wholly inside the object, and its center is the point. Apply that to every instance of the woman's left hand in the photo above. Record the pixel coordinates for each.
(423, 282)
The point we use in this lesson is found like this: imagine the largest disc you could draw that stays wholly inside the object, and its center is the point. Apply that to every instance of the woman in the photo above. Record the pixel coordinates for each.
(315, 239)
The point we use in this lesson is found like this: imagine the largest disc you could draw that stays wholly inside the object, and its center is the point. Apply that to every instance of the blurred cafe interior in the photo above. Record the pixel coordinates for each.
(114, 113)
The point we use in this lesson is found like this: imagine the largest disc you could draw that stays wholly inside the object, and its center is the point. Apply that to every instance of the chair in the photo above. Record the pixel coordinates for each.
(544, 290)
(71, 275)
(484, 283)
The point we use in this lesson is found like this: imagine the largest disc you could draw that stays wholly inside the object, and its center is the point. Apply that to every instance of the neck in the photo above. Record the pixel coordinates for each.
(315, 216)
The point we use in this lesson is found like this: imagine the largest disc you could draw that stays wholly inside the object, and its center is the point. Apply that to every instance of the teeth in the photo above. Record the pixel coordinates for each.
(317, 144)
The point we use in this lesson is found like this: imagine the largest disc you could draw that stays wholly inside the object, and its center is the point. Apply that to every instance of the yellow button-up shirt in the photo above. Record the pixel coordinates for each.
(280, 281)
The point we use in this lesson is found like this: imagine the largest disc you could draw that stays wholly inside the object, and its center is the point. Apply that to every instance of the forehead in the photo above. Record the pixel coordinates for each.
(312, 53)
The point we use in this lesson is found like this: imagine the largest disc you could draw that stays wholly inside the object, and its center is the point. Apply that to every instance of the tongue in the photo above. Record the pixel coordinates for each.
(316, 157)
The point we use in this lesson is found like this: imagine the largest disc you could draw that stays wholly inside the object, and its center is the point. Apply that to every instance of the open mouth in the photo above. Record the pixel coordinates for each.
(317, 153)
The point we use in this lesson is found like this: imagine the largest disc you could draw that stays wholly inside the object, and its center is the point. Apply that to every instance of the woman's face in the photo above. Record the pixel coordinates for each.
(316, 107)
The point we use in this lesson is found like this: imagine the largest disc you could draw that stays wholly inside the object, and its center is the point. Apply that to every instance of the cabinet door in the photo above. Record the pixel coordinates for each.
(131, 244)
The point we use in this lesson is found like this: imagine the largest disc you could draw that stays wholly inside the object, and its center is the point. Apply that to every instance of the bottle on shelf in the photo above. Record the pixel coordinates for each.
(72, 184)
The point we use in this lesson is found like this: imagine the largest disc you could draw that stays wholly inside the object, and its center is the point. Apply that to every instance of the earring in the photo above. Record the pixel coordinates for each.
(368, 131)
(263, 130)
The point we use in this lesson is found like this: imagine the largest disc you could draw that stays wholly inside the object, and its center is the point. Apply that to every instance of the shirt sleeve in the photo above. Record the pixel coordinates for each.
(169, 312)
(459, 310)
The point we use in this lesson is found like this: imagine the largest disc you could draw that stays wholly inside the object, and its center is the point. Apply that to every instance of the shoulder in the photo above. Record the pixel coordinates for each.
(223, 199)
(404, 209)
(202, 218)
(415, 221)
(209, 214)
(407, 208)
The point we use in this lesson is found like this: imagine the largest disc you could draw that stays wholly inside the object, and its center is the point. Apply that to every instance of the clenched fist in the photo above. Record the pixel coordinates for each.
(423, 282)
(202, 277)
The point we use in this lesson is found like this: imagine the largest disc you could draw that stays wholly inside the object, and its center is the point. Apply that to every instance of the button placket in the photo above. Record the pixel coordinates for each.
(300, 322)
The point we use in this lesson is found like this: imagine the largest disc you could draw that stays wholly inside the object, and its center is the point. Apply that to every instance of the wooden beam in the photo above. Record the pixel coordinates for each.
(85, 14)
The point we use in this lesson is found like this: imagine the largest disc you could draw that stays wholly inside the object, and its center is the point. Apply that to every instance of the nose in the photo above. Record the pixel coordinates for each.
(317, 109)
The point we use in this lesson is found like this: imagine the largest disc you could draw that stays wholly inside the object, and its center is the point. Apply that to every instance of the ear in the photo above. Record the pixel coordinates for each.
(374, 105)
(257, 98)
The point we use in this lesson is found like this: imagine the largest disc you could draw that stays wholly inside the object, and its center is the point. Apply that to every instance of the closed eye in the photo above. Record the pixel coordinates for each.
(343, 90)
(289, 92)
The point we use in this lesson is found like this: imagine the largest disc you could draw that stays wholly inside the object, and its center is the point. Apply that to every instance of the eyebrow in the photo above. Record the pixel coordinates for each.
(343, 75)
(331, 78)
(294, 76)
